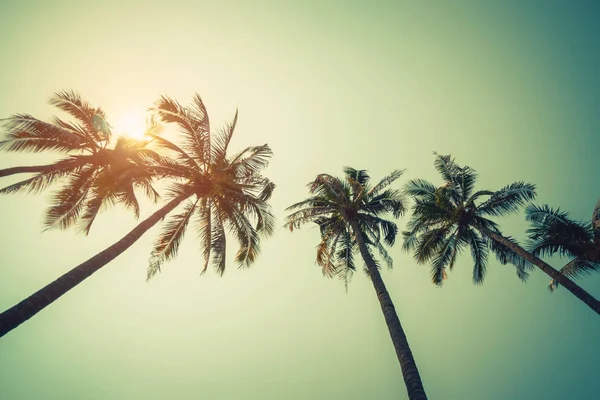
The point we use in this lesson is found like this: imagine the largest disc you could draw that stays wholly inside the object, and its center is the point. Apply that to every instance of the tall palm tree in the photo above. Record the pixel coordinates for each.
(350, 213)
(220, 191)
(552, 232)
(93, 174)
(447, 219)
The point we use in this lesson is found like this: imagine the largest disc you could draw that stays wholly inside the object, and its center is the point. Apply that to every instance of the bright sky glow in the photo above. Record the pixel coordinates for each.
(131, 123)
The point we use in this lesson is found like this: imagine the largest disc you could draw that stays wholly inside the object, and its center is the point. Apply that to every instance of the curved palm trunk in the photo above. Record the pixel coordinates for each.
(568, 284)
(412, 379)
(27, 308)
(26, 170)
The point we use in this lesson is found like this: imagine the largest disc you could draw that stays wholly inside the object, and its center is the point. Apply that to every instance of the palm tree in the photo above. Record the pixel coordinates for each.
(220, 191)
(350, 214)
(94, 175)
(449, 218)
(552, 232)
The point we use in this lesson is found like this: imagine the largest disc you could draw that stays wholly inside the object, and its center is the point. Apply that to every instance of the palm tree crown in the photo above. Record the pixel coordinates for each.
(93, 175)
(223, 192)
(446, 219)
(336, 203)
(553, 232)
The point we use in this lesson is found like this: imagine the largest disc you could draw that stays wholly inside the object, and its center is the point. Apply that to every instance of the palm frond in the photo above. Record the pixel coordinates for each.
(218, 243)
(251, 160)
(389, 201)
(220, 142)
(421, 189)
(576, 268)
(166, 245)
(445, 258)
(361, 176)
(385, 182)
(430, 242)
(479, 252)
(507, 256)
(508, 199)
(68, 203)
(447, 168)
(72, 103)
(26, 133)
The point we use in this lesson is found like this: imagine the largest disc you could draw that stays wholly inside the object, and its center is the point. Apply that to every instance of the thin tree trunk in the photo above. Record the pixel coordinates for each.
(412, 379)
(567, 283)
(27, 308)
(26, 170)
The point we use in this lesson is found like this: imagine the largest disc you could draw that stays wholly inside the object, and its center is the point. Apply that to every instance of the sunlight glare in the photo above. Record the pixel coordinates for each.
(132, 124)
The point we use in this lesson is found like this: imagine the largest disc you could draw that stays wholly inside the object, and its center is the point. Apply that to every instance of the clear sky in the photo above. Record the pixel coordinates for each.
(509, 88)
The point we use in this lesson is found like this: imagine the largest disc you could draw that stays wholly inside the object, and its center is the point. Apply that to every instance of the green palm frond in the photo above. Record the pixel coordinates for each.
(24, 133)
(576, 268)
(389, 201)
(479, 252)
(420, 189)
(506, 256)
(205, 229)
(345, 255)
(218, 244)
(508, 200)
(445, 258)
(361, 176)
(303, 216)
(72, 103)
(447, 168)
(222, 139)
(388, 228)
(183, 157)
(68, 203)
(167, 243)
(385, 182)
(195, 137)
(430, 242)
(251, 160)
(466, 181)
(552, 231)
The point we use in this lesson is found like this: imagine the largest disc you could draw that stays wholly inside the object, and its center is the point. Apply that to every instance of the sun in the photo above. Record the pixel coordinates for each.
(132, 123)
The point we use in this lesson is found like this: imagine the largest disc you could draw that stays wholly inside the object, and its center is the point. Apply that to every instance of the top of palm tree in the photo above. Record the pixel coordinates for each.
(92, 175)
(445, 220)
(224, 192)
(553, 232)
(337, 203)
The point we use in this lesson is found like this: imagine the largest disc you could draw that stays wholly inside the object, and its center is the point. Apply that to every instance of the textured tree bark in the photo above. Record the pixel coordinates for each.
(568, 284)
(412, 379)
(29, 307)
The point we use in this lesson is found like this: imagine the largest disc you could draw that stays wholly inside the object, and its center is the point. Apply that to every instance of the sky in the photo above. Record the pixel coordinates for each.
(509, 88)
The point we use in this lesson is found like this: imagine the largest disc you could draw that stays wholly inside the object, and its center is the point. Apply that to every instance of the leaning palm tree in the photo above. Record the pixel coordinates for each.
(553, 232)
(350, 214)
(452, 217)
(220, 191)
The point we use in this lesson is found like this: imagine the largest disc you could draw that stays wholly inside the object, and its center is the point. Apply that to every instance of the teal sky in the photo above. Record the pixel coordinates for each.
(509, 88)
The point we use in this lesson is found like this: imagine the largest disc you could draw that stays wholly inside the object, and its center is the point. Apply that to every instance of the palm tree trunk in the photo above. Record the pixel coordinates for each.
(412, 379)
(26, 170)
(27, 308)
(567, 283)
